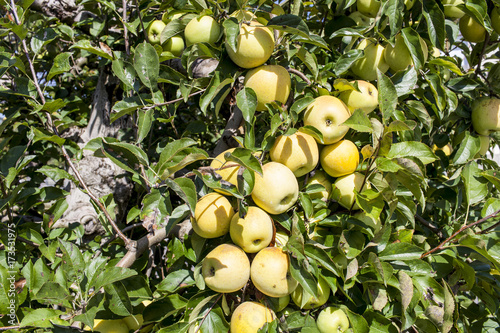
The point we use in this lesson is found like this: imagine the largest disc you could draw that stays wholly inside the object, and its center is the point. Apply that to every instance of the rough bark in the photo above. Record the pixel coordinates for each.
(65, 10)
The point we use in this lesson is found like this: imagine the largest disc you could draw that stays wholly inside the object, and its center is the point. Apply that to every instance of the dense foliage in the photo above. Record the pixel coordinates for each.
(402, 273)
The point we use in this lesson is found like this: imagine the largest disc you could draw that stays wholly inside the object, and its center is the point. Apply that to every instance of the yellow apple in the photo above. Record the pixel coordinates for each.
(249, 317)
(327, 113)
(398, 57)
(332, 320)
(471, 30)
(369, 8)
(300, 296)
(343, 189)
(320, 177)
(486, 115)
(212, 216)
(229, 174)
(366, 67)
(451, 10)
(154, 31)
(270, 83)
(447, 150)
(109, 326)
(299, 152)
(340, 158)
(253, 232)
(174, 45)
(495, 19)
(254, 45)
(270, 272)
(365, 99)
(277, 190)
(202, 30)
(226, 268)
(360, 19)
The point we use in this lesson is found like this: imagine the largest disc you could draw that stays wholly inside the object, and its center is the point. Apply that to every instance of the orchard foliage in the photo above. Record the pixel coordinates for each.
(406, 274)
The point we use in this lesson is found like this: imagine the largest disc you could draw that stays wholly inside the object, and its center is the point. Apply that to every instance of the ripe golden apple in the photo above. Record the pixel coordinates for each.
(332, 320)
(495, 19)
(366, 67)
(277, 190)
(202, 30)
(398, 57)
(299, 152)
(212, 216)
(249, 317)
(229, 174)
(270, 83)
(343, 190)
(270, 272)
(340, 158)
(486, 115)
(451, 10)
(255, 44)
(471, 30)
(174, 45)
(365, 99)
(300, 296)
(327, 113)
(154, 31)
(253, 232)
(109, 326)
(320, 178)
(226, 268)
(369, 8)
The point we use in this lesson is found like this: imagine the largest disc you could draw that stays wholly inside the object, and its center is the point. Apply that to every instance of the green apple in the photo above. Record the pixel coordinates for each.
(168, 17)
(253, 232)
(304, 300)
(340, 158)
(249, 317)
(174, 45)
(398, 57)
(270, 272)
(202, 30)
(471, 30)
(299, 152)
(109, 326)
(366, 67)
(365, 99)
(226, 268)
(369, 8)
(343, 189)
(212, 216)
(451, 10)
(270, 83)
(254, 45)
(321, 178)
(495, 19)
(327, 113)
(409, 4)
(332, 320)
(360, 19)
(276, 190)
(154, 31)
(486, 115)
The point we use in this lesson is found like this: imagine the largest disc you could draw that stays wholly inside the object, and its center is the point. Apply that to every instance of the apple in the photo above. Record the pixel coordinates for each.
(495, 19)
(270, 272)
(254, 45)
(360, 19)
(332, 320)
(253, 232)
(409, 4)
(249, 317)
(109, 326)
(202, 30)
(369, 8)
(243, 15)
(343, 189)
(169, 17)
(340, 158)
(398, 57)
(471, 30)
(154, 31)
(366, 67)
(299, 152)
(277, 190)
(270, 83)
(212, 216)
(327, 113)
(306, 301)
(365, 99)
(226, 268)
(447, 150)
(321, 178)
(229, 174)
(174, 45)
(486, 115)
(451, 10)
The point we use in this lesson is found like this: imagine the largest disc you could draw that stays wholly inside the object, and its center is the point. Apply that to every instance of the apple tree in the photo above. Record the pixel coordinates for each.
(320, 166)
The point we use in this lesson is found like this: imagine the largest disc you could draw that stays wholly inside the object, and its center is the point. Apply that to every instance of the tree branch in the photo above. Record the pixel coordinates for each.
(172, 101)
(142, 245)
(299, 74)
(431, 226)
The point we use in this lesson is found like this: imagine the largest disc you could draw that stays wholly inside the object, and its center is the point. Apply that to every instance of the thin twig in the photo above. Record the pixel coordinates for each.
(440, 246)
(140, 19)
(299, 74)
(431, 226)
(6, 328)
(172, 101)
(125, 29)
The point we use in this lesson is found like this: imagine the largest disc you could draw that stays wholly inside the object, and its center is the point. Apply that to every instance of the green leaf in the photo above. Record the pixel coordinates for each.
(156, 207)
(245, 158)
(60, 65)
(144, 125)
(435, 19)
(109, 275)
(54, 294)
(216, 91)
(231, 31)
(176, 280)
(74, 263)
(40, 317)
(413, 149)
(246, 99)
(493, 176)
(412, 41)
(357, 322)
(126, 106)
(119, 302)
(321, 256)
(147, 65)
(185, 189)
(387, 96)
(172, 29)
(85, 44)
(449, 308)
(359, 122)
(303, 277)
(42, 38)
(400, 251)
(125, 72)
(171, 150)
(55, 173)
(308, 59)
(419, 111)
(394, 9)
(476, 186)
(467, 150)
(289, 23)
(446, 62)
(406, 289)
